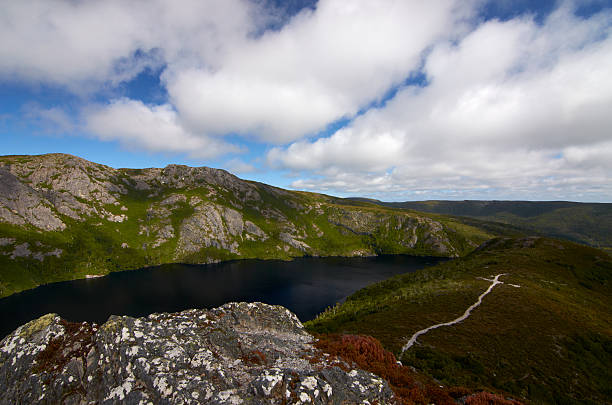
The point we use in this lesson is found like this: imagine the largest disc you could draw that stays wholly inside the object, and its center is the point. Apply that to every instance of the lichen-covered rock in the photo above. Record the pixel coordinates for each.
(240, 353)
(72, 186)
(211, 225)
(20, 204)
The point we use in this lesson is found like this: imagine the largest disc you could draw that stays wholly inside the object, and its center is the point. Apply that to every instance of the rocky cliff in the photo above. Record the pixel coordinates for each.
(240, 353)
(63, 217)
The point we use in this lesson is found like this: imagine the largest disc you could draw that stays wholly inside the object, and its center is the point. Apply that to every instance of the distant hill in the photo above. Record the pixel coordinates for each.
(589, 223)
(544, 334)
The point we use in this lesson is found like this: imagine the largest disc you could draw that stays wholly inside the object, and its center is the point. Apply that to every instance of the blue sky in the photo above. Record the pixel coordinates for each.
(399, 101)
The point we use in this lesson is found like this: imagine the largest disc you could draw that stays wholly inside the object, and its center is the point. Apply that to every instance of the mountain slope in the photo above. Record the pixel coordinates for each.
(544, 334)
(588, 223)
(63, 217)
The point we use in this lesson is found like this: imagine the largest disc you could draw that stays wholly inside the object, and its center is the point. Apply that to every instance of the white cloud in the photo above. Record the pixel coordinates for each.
(373, 149)
(512, 106)
(509, 105)
(238, 166)
(222, 77)
(52, 120)
(323, 65)
(152, 128)
(81, 44)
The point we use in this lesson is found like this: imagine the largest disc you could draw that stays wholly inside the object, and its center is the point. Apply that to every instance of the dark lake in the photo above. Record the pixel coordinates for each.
(306, 286)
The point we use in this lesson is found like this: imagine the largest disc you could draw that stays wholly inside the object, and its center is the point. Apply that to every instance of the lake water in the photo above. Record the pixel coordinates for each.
(306, 286)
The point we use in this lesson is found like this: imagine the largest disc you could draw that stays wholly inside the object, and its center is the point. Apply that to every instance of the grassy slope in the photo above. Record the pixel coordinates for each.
(589, 223)
(548, 341)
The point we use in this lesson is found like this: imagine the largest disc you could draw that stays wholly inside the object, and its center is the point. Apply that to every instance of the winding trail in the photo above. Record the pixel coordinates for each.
(495, 281)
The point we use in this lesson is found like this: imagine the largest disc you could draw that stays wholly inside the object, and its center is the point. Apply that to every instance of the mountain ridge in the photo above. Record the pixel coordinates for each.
(63, 217)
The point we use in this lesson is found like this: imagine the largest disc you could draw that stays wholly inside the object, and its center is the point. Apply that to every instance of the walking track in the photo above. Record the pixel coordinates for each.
(495, 281)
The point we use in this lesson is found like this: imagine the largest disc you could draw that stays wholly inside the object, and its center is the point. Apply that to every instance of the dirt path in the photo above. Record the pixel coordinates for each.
(495, 281)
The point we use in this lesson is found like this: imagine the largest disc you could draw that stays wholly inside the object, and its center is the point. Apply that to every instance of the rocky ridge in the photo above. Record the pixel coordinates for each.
(240, 353)
(96, 219)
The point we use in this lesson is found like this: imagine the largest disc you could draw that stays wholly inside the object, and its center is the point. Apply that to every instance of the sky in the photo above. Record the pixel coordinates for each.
(395, 100)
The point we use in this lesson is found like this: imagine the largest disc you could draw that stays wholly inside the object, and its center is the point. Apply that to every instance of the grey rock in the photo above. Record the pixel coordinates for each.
(173, 199)
(40, 256)
(164, 234)
(23, 250)
(115, 218)
(7, 241)
(20, 204)
(72, 184)
(253, 229)
(240, 353)
(291, 240)
(233, 221)
(195, 200)
(211, 225)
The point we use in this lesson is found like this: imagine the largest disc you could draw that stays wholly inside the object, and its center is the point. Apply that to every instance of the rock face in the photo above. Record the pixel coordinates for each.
(21, 204)
(240, 353)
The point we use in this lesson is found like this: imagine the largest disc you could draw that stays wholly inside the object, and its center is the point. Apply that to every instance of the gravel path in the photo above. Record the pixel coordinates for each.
(495, 281)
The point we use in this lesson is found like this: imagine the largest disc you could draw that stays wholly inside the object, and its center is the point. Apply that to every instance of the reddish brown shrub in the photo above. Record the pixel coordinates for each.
(367, 353)
(486, 398)
(459, 392)
(438, 396)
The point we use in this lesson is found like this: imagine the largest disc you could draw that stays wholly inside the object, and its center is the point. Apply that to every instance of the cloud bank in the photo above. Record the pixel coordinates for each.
(512, 108)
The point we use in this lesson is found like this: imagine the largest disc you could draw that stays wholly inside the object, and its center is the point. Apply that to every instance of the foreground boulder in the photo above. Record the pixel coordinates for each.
(240, 353)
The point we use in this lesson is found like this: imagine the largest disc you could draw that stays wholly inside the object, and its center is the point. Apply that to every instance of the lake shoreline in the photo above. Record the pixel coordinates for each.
(306, 285)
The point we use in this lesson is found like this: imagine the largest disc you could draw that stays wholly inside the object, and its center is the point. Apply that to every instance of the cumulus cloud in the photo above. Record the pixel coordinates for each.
(511, 106)
(224, 71)
(508, 105)
(151, 128)
(87, 43)
(323, 65)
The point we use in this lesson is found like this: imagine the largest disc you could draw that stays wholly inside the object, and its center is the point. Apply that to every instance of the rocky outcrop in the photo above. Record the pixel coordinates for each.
(408, 230)
(240, 353)
(292, 240)
(211, 226)
(20, 204)
(58, 185)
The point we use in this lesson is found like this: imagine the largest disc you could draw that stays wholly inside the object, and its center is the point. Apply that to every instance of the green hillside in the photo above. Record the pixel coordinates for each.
(588, 223)
(544, 335)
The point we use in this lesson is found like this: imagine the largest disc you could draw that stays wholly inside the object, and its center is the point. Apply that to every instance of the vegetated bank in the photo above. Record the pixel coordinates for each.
(63, 217)
(549, 340)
